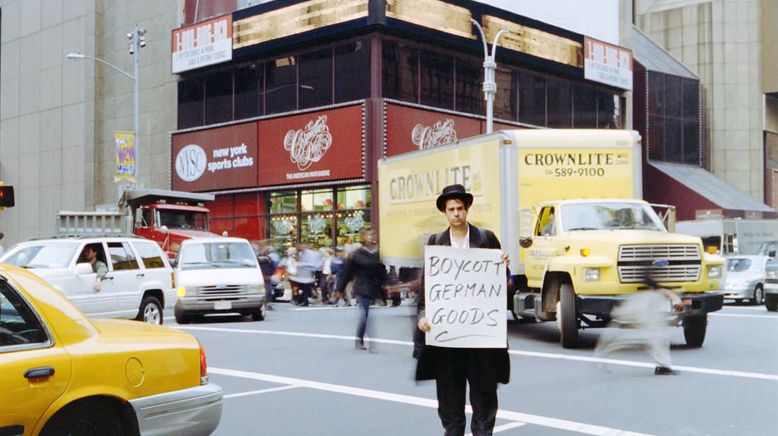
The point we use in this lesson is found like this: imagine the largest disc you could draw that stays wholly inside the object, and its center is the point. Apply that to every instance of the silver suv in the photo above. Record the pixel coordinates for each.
(138, 283)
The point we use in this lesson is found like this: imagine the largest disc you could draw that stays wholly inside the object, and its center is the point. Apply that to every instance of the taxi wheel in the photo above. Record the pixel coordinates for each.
(86, 417)
(150, 311)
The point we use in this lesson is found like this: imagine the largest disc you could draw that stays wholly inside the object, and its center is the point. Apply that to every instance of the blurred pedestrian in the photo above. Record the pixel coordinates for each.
(290, 263)
(309, 261)
(642, 322)
(335, 267)
(268, 267)
(364, 267)
(455, 368)
(2, 249)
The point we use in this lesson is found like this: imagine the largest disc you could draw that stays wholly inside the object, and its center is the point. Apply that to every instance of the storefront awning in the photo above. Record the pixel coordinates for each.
(710, 187)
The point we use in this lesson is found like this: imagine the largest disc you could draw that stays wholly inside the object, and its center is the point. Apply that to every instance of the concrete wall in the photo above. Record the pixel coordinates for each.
(58, 116)
(721, 41)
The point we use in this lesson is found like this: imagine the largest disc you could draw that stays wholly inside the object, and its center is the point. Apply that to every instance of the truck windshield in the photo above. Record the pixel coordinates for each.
(183, 219)
(56, 255)
(216, 255)
(609, 216)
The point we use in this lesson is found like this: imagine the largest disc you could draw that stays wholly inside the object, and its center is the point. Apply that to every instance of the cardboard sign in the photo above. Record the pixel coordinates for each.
(465, 294)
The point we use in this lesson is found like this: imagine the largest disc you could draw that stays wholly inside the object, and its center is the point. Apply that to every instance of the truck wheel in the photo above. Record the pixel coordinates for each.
(150, 311)
(694, 330)
(771, 303)
(758, 299)
(182, 317)
(567, 316)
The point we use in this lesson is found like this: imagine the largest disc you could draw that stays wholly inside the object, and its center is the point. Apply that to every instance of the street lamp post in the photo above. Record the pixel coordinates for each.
(490, 86)
(137, 41)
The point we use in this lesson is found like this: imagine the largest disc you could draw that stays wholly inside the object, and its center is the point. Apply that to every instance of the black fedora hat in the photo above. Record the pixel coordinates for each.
(454, 191)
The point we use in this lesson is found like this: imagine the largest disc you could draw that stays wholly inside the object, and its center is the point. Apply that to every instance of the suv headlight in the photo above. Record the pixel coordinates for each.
(772, 274)
(714, 272)
(591, 274)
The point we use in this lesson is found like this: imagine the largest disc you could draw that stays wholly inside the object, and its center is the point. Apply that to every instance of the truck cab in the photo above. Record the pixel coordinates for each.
(584, 256)
(170, 224)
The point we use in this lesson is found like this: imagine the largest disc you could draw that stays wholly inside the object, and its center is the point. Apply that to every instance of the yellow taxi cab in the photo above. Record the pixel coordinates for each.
(64, 374)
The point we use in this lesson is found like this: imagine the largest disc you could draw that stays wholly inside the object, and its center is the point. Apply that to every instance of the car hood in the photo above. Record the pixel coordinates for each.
(52, 273)
(135, 331)
(743, 275)
(219, 276)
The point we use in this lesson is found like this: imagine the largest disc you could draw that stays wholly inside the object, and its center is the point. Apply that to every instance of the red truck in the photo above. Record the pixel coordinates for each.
(167, 217)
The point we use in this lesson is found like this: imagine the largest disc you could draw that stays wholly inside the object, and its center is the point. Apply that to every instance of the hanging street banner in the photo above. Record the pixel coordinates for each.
(126, 156)
(465, 295)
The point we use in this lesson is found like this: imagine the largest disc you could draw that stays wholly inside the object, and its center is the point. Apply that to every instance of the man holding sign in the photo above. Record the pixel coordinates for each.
(462, 312)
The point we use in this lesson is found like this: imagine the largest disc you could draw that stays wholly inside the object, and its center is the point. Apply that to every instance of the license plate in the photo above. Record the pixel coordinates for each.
(222, 305)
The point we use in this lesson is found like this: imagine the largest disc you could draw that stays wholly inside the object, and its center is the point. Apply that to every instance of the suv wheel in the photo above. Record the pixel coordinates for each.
(150, 311)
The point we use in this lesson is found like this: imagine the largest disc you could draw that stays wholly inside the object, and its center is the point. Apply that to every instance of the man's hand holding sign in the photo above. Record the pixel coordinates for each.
(465, 297)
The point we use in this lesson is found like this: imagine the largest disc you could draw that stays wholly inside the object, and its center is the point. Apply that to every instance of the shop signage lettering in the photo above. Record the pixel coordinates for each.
(308, 145)
(465, 296)
(230, 157)
(428, 184)
(190, 162)
(551, 159)
(440, 133)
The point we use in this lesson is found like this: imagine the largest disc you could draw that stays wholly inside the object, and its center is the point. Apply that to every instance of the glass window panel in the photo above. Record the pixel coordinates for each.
(280, 85)
(437, 80)
(607, 110)
(584, 108)
(247, 97)
(283, 230)
(560, 104)
(691, 99)
(316, 200)
(505, 99)
(532, 99)
(469, 76)
(20, 325)
(150, 254)
(673, 96)
(656, 127)
(121, 256)
(355, 197)
(400, 72)
(316, 229)
(673, 144)
(283, 202)
(315, 88)
(190, 103)
(691, 142)
(656, 88)
(218, 97)
(352, 71)
(350, 223)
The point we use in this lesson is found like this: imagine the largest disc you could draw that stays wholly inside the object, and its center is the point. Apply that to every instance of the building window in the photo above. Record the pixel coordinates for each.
(400, 72)
(437, 80)
(190, 103)
(674, 118)
(248, 100)
(469, 75)
(218, 97)
(505, 101)
(315, 87)
(352, 71)
(560, 104)
(584, 108)
(281, 85)
(532, 99)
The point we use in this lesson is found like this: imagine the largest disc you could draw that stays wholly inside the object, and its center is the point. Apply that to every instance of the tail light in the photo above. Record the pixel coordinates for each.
(203, 366)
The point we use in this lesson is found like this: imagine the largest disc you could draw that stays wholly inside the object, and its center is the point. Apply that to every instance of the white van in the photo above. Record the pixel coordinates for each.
(218, 275)
(138, 285)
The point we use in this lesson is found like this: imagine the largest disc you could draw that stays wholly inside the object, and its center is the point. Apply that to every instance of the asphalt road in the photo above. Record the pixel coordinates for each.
(297, 373)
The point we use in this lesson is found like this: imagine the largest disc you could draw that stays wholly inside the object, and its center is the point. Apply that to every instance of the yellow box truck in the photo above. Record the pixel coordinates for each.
(566, 205)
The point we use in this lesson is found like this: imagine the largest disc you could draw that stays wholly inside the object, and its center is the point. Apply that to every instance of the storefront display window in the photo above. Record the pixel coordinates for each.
(316, 229)
(356, 197)
(316, 200)
(281, 202)
(350, 223)
(283, 230)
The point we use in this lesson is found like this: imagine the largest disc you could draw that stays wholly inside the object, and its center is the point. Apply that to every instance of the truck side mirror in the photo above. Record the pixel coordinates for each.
(525, 242)
(163, 229)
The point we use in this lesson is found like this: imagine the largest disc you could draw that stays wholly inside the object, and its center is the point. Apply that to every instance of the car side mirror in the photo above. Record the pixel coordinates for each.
(771, 253)
(84, 268)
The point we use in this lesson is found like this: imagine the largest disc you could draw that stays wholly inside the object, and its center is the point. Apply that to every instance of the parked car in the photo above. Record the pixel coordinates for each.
(218, 275)
(771, 287)
(62, 373)
(138, 284)
(745, 278)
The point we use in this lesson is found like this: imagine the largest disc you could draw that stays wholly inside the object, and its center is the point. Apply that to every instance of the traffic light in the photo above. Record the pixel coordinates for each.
(6, 196)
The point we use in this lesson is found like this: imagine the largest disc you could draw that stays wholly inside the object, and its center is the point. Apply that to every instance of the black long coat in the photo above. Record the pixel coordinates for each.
(367, 271)
(493, 364)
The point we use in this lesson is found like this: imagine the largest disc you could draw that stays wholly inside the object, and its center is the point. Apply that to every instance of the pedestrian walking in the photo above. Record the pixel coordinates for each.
(453, 369)
(268, 267)
(641, 322)
(364, 267)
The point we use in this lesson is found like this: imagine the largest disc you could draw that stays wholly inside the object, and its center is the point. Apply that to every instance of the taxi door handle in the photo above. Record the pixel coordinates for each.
(43, 371)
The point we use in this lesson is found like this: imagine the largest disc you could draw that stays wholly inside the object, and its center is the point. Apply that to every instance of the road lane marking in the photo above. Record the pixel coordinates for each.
(261, 391)
(555, 356)
(504, 427)
(521, 418)
(737, 315)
